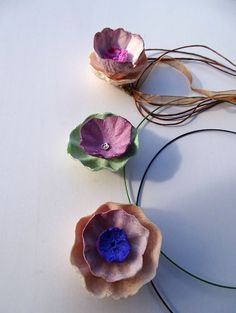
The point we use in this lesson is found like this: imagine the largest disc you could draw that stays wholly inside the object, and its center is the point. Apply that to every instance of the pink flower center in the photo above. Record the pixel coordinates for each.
(117, 54)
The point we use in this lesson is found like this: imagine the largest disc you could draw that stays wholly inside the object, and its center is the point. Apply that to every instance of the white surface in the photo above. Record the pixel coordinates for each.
(45, 90)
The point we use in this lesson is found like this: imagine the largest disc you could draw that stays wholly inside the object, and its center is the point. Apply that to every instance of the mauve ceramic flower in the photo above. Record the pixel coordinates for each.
(118, 56)
(116, 250)
(103, 141)
(107, 138)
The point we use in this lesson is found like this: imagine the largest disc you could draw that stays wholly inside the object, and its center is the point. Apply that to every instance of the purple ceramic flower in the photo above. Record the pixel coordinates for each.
(106, 138)
(103, 141)
(118, 56)
(116, 250)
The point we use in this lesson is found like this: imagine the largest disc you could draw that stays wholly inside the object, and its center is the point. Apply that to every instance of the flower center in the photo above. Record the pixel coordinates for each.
(117, 54)
(113, 245)
(105, 146)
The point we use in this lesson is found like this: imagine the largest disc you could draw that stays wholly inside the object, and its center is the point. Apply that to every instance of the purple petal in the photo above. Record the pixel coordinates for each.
(109, 38)
(107, 138)
(102, 41)
(91, 136)
(117, 132)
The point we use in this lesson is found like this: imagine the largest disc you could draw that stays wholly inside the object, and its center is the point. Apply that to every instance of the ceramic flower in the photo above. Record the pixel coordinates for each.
(116, 250)
(118, 56)
(103, 141)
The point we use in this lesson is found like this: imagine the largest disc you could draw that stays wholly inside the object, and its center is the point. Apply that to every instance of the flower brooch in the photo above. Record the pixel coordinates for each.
(116, 250)
(103, 141)
(118, 56)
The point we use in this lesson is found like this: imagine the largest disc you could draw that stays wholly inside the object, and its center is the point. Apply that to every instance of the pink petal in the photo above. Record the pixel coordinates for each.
(117, 73)
(109, 38)
(136, 233)
(121, 38)
(135, 47)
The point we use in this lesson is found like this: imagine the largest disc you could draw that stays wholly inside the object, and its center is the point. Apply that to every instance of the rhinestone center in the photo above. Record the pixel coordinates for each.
(105, 146)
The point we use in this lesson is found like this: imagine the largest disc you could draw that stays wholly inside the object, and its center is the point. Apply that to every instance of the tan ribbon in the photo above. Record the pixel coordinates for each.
(206, 97)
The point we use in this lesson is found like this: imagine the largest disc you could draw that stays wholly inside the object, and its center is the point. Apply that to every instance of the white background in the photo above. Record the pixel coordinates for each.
(46, 89)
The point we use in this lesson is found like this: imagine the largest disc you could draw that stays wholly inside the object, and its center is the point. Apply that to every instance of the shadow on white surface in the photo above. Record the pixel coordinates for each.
(185, 294)
(195, 209)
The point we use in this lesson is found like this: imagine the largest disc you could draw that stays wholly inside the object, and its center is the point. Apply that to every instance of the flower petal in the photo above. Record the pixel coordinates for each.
(102, 42)
(130, 286)
(76, 257)
(117, 132)
(117, 73)
(114, 131)
(135, 47)
(121, 38)
(95, 285)
(136, 233)
(109, 38)
(91, 136)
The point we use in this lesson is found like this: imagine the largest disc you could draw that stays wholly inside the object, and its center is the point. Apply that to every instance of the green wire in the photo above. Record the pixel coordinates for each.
(126, 187)
(168, 258)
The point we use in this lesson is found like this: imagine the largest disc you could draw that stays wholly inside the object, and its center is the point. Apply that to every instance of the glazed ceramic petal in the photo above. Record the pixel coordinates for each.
(114, 132)
(97, 163)
(136, 234)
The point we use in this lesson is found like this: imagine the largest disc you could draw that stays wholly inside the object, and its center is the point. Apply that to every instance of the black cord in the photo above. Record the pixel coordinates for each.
(161, 298)
(138, 200)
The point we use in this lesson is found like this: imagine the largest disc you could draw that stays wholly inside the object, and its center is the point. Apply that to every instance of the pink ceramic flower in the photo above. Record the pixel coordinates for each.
(116, 250)
(107, 138)
(119, 56)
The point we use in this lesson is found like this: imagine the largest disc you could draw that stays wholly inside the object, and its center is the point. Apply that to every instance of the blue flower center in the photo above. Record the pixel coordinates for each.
(113, 245)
